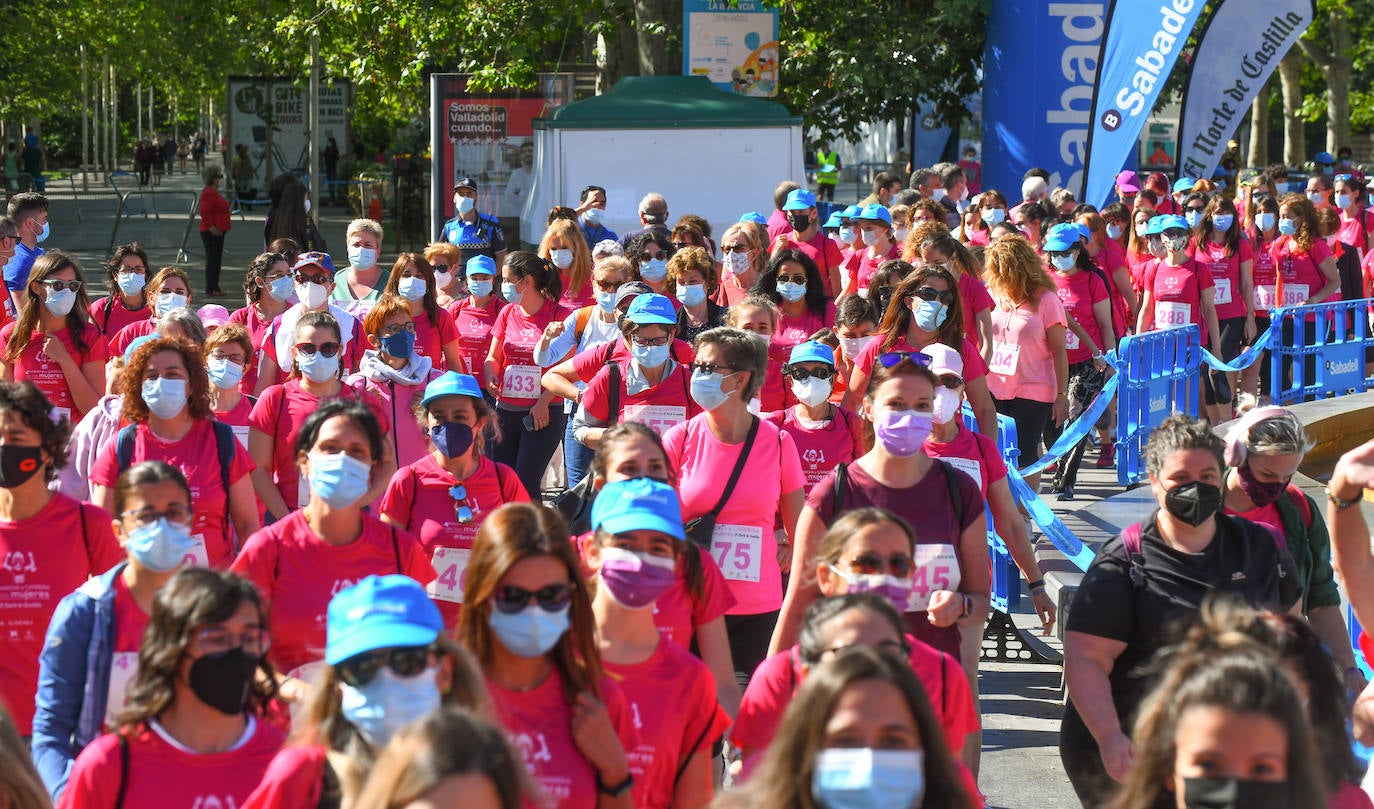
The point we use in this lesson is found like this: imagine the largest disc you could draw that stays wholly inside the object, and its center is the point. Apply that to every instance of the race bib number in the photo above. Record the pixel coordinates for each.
(123, 670)
(1172, 314)
(452, 566)
(1004, 358)
(937, 568)
(1071, 340)
(968, 466)
(1295, 294)
(659, 418)
(1266, 297)
(241, 433)
(198, 557)
(1221, 290)
(738, 551)
(521, 382)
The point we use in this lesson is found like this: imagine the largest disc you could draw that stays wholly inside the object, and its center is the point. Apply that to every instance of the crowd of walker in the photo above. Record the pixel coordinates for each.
(310, 552)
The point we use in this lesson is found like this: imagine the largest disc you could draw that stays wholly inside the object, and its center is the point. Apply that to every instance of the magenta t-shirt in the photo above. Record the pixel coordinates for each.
(1224, 265)
(1300, 272)
(398, 401)
(824, 252)
(661, 407)
(794, 330)
(119, 341)
(974, 300)
(474, 325)
(822, 447)
(1177, 292)
(251, 319)
(34, 365)
(861, 265)
(1079, 292)
(110, 315)
(743, 546)
(1022, 364)
(972, 453)
(1109, 259)
(430, 339)
(517, 333)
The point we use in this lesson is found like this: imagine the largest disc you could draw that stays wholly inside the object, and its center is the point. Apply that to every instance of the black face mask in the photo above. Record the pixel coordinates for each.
(222, 681)
(1194, 503)
(1232, 793)
(18, 464)
(799, 221)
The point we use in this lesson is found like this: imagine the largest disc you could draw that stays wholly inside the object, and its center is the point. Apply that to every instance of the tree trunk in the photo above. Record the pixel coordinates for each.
(616, 47)
(653, 22)
(1259, 127)
(1294, 141)
(1335, 66)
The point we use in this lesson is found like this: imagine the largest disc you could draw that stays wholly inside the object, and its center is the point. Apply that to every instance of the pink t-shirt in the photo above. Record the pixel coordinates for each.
(861, 265)
(430, 339)
(1300, 274)
(1351, 231)
(197, 456)
(1109, 259)
(251, 319)
(160, 774)
(672, 698)
(822, 446)
(1225, 268)
(110, 315)
(517, 333)
(237, 416)
(129, 619)
(418, 499)
(978, 237)
(1022, 364)
(34, 365)
(794, 330)
(974, 300)
(397, 399)
(297, 573)
(824, 252)
(972, 453)
(974, 366)
(474, 325)
(281, 412)
(1079, 292)
(45, 557)
(778, 224)
(577, 298)
(662, 407)
(293, 779)
(1139, 263)
(1266, 274)
(743, 545)
(138, 328)
(539, 724)
(1177, 292)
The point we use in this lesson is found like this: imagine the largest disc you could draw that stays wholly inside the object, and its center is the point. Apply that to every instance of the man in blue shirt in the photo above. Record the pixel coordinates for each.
(29, 212)
(591, 209)
(476, 234)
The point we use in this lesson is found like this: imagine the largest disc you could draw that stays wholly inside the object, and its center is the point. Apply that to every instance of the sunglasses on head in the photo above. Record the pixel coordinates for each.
(408, 661)
(801, 374)
(889, 359)
(551, 598)
(945, 296)
(309, 349)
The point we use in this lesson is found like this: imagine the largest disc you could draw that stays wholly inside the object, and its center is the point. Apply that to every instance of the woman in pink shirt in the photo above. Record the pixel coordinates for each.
(1178, 290)
(564, 246)
(1262, 232)
(874, 225)
(1357, 220)
(760, 316)
(1220, 247)
(395, 373)
(197, 731)
(475, 315)
(228, 355)
(169, 418)
(436, 336)
(528, 619)
(445, 495)
(992, 211)
(633, 556)
(53, 343)
(743, 261)
(169, 289)
(943, 250)
(449, 279)
(824, 433)
(794, 285)
(270, 291)
(1306, 272)
(1138, 254)
(1110, 257)
(127, 302)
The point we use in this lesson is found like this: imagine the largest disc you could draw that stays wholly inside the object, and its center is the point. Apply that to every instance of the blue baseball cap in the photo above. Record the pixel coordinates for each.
(811, 351)
(755, 217)
(651, 309)
(1061, 237)
(451, 383)
(799, 200)
(135, 343)
(1183, 184)
(477, 265)
(874, 213)
(641, 504)
(852, 212)
(380, 612)
(1083, 230)
(313, 257)
(1155, 225)
(1324, 158)
(1171, 222)
(834, 221)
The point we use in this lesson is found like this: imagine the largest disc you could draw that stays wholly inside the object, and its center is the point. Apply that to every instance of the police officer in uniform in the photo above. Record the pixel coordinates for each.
(476, 234)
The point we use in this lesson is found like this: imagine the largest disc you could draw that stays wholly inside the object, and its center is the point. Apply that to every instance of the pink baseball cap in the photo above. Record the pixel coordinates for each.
(213, 316)
(944, 360)
(1128, 182)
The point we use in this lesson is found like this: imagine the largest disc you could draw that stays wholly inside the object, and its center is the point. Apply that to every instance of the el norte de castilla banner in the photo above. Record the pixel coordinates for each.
(1238, 50)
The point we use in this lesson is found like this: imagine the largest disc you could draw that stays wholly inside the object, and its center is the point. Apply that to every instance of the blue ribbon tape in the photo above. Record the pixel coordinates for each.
(1246, 359)
(1050, 525)
(1080, 427)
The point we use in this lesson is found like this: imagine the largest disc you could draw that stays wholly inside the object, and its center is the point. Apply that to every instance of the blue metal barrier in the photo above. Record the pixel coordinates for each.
(1334, 351)
(1006, 576)
(1161, 376)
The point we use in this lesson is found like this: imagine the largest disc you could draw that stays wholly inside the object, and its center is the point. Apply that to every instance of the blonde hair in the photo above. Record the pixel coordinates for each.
(1014, 273)
(365, 226)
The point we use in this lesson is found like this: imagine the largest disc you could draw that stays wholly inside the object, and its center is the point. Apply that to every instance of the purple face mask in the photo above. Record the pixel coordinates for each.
(895, 590)
(635, 580)
(1260, 493)
(902, 432)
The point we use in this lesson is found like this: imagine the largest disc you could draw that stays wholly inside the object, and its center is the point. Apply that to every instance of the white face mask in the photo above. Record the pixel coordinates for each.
(900, 234)
(946, 404)
(813, 391)
(737, 263)
(852, 347)
(311, 294)
(870, 237)
(443, 279)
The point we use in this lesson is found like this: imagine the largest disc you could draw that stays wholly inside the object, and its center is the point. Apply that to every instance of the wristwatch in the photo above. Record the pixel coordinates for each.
(615, 790)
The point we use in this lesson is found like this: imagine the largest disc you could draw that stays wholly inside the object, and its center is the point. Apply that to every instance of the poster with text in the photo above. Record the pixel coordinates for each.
(271, 117)
(734, 43)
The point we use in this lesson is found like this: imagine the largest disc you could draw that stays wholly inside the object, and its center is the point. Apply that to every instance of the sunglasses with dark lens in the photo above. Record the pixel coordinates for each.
(682, 245)
(440, 267)
(408, 661)
(661, 255)
(309, 349)
(1053, 254)
(792, 279)
(551, 598)
(891, 358)
(462, 510)
(870, 564)
(730, 248)
(711, 368)
(57, 285)
(322, 280)
(945, 296)
(801, 374)
(951, 381)
(1197, 208)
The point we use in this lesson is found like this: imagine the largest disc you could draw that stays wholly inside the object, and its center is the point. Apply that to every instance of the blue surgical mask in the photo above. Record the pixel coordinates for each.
(1342, 201)
(691, 294)
(993, 216)
(130, 283)
(929, 315)
(1222, 222)
(531, 632)
(847, 234)
(654, 270)
(282, 289)
(1287, 226)
(411, 288)
(649, 356)
(1265, 220)
(318, 368)
(224, 374)
(339, 479)
(465, 205)
(508, 292)
(389, 703)
(864, 778)
(1193, 218)
(165, 397)
(399, 345)
(479, 289)
(167, 301)
(59, 302)
(593, 216)
(43, 234)
(706, 390)
(160, 546)
(791, 291)
(364, 258)
(606, 300)
(1063, 263)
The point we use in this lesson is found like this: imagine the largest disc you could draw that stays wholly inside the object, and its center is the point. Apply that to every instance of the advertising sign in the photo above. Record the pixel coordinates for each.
(734, 43)
(272, 115)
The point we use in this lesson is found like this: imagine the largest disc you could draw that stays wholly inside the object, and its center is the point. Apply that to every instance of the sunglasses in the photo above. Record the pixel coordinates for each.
(551, 598)
(869, 564)
(440, 267)
(730, 248)
(711, 368)
(57, 285)
(792, 279)
(322, 280)
(889, 359)
(359, 670)
(309, 349)
(395, 329)
(1053, 254)
(951, 381)
(462, 510)
(801, 374)
(661, 255)
(945, 296)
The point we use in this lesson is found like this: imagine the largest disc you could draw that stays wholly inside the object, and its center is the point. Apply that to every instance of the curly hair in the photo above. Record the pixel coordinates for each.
(1015, 273)
(1179, 433)
(112, 266)
(33, 408)
(198, 402)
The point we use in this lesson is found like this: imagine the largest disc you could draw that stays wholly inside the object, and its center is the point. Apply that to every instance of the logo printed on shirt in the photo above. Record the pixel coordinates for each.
(341, 584)
(634, 711)
(1238, 576)
(19, 563)
(533, 748)
(214, 802)
(814, 456)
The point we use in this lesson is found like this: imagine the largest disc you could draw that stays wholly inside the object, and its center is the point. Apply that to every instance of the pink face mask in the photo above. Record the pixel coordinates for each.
(635, 580)
(902, 432)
